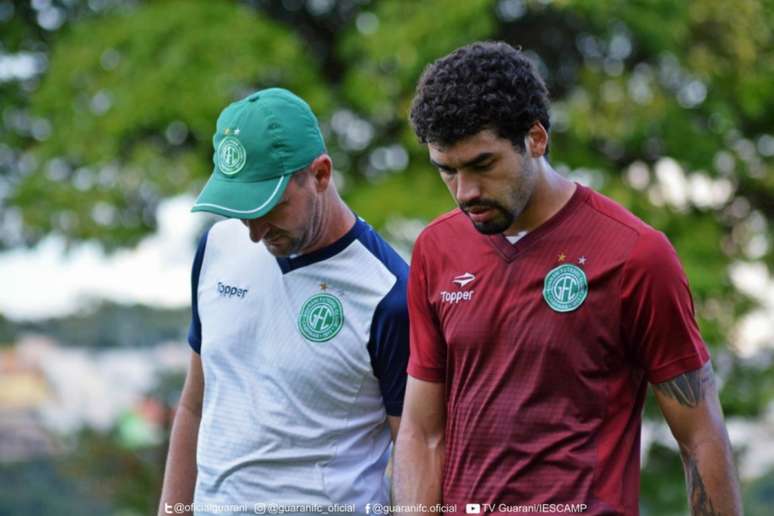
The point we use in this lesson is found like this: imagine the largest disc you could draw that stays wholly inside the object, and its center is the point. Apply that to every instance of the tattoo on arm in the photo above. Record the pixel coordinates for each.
(690, 388)
(701, 505)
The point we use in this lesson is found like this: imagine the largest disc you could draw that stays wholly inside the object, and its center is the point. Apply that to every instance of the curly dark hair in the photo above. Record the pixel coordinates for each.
(484, 85)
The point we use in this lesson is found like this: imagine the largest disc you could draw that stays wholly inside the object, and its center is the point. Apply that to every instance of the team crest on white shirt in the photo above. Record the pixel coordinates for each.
(321, 317)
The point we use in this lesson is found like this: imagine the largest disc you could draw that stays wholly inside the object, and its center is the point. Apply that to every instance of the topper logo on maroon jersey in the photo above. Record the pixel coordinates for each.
(460, 295)
(463, 279)
(455, 297)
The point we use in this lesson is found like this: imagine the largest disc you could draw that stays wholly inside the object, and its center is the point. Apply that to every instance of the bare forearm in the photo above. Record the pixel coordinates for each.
(418, 469)
(711, 480)
(691, 406)
(180, 472)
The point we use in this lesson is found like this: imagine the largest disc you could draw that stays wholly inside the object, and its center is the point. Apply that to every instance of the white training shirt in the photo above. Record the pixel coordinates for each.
(303, 359)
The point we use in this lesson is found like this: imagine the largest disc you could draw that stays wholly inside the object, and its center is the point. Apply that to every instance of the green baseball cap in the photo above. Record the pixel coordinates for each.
(259, 142)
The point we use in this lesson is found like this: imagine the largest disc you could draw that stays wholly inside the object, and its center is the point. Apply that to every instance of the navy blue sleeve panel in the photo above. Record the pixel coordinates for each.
(388, 347)
(389, 340)
(195, 330)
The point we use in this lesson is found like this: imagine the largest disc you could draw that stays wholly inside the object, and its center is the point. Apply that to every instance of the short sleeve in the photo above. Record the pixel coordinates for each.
(195, 329)
(658, 320)
(389, 348)
(427, 360)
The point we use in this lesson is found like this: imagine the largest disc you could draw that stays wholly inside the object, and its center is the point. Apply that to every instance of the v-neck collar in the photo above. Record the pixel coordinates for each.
(510, 251)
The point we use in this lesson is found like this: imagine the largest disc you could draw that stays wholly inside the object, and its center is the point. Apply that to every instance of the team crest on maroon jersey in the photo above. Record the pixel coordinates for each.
(565, 288)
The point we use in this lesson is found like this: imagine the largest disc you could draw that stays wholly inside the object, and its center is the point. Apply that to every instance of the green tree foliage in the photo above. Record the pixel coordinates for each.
(108, 325)
(127, 480)
(662, 484)
(631, 82)
(131, 95)
(131, 98)
(40, 486)
(7, 331)
(759, 496)
(122, 114)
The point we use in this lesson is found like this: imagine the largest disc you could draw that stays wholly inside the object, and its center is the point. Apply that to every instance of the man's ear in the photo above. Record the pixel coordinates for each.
(321, 170)
(537, 140)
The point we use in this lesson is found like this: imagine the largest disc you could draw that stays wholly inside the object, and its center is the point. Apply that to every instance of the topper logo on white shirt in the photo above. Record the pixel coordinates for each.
(230, 291)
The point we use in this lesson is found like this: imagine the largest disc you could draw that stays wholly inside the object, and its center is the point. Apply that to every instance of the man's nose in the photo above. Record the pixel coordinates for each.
(257, 228)
(467, 188)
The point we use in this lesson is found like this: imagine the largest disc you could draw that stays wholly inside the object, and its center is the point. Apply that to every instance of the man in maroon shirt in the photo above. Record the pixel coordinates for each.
(539, 311)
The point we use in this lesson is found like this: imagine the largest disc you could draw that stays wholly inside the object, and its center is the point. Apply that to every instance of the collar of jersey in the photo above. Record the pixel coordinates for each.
(288, 264)
(509, 251)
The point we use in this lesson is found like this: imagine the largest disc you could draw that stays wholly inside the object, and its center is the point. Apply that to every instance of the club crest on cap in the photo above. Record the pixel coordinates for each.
(231, 155)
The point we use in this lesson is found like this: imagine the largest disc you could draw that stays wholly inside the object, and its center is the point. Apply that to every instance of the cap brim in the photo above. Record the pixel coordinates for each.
(240, 200)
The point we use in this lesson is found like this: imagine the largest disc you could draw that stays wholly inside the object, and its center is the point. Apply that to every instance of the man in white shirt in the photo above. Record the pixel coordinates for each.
(299, 333)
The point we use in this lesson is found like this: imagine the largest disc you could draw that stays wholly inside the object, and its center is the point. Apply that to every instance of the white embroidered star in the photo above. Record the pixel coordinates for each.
(582, 260)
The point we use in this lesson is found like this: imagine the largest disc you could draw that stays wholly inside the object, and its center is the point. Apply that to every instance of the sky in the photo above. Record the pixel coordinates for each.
(47, 281)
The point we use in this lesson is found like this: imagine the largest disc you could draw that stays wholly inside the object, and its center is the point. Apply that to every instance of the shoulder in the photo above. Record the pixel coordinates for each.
(228, 239)
(643, 251)
(452, 224)
(606, 209)
(225, 231)
(646, 243)
(653, 254)
(228, 247)
(648, 253)
(380, 249)
(392, 272)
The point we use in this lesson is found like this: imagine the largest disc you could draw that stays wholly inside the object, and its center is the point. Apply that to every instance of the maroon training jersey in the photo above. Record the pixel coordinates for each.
(546, 347)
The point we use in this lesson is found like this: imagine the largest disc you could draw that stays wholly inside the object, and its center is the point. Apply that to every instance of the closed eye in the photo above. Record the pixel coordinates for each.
(443, 169)
(482, 167)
